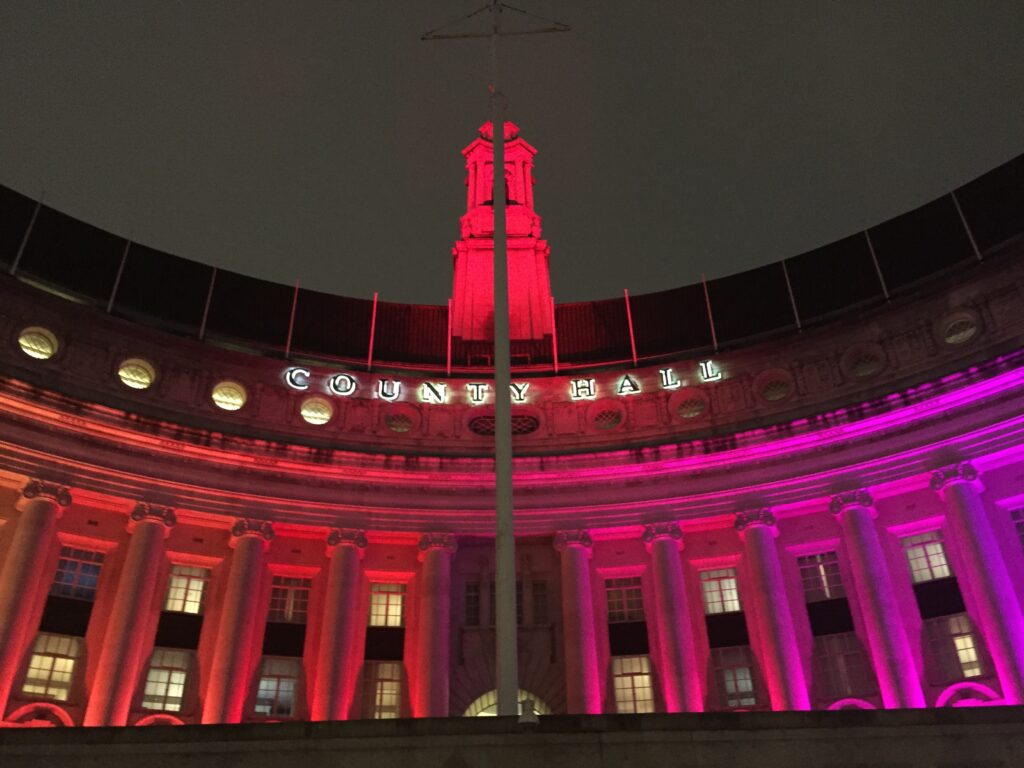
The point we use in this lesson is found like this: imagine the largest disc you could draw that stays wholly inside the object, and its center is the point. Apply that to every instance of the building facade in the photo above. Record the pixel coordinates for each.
(194, 530)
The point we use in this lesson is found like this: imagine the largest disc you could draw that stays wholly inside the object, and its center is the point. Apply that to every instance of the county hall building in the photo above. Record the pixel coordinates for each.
(800, 487)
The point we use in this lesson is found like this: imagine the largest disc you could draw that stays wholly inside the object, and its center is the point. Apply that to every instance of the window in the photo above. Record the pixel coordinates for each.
(927, 556)
(625, 599)
(631, 679)
(279, 681)
(841, 667)
(186, 589)
(1017, 515)
(165, 680)
(954, 648)
(734, 677)
(719, 591)
(540, 603)
(289, 599)
(820, 576)
(383, 690)
(472, 604)
(78, 571)
(387, 605)
(52, 666)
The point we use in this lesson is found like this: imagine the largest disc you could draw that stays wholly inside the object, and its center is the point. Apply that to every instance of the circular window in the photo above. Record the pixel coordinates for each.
(777, 389)
(316, 410)
(229, 395)
(862, 361)
(774, 385)
(522, 424)
(691, 408)
(38, 343)
(959, 330)
(136, 373)
(607, 419)
(398, 422)
(688, 403)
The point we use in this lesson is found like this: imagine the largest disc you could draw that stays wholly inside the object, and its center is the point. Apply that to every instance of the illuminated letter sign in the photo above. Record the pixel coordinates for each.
(389, 389)
(477, 392)
(708, 372)
(628, 386)
(668, 379)
(582, 389)
(297, 378)
(434, 392)
(518, 390)
(341, 384)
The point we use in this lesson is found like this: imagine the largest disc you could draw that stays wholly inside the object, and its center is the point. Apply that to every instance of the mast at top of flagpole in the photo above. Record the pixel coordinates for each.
(506, 630)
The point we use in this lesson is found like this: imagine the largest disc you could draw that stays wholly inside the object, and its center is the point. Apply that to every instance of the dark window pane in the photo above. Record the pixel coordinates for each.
(833, 277)
(411, 332)
(161, 288)
(670, 321)
(592, 330)
(249, 309)
(750, 303)
(335, 326)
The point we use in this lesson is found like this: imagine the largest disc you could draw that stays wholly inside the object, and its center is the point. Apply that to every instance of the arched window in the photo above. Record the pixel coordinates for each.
(968, 695)
(40, 716)
(487, 705)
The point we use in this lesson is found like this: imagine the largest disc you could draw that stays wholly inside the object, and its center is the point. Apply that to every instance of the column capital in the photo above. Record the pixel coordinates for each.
(44, 489)
(154, 513)
(345, 537)
(962, 472)
(751, 518)
(445, 541)
(669, 530)
(247, 526)
(856, 498)
(576, 538)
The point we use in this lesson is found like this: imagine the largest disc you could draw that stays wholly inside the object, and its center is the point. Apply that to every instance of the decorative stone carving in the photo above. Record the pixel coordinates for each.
(155, 513)
(577, 538)
(964, 472)
(352, 537)
(246, 526)
(752, 517)
(669, 530)
(445, 541)
(43, 489)
(857, 498)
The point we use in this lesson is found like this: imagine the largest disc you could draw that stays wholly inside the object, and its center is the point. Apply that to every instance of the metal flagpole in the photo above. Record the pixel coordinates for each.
(507, 662)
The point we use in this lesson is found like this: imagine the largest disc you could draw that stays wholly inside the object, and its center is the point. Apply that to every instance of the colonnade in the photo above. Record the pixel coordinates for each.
(23, 585)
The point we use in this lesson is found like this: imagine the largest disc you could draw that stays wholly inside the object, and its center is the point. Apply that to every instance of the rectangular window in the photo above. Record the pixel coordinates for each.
(289, 600)
(734, 677)
(631, 678)
(383, 690)
(78, 571)
(625, 599)
(387, 605)
(954, 647)
(472, 604)
(165, 680)
(820, 576)
(51, 668)
(926, 555)
(186, 589)
(841, 668)
(1017, 515)
(279, 681)
(719, 590)
(540, 603)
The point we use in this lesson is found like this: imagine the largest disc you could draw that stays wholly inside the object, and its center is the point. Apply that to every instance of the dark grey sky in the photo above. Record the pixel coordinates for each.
(320, 140)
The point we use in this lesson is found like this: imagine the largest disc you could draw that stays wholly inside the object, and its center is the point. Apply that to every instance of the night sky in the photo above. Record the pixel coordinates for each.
(320, 141)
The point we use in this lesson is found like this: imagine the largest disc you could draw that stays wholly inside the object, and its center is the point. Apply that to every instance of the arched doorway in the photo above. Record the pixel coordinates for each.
(487, 705)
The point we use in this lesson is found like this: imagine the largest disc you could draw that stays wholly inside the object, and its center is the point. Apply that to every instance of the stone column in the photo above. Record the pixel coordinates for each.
(680, 678)
(341, 619)
(783, 670)
(118, 667)
(433, 649)
(894, 664)
(583, 689)
(23, 578)
(996, 603)
(229, 672)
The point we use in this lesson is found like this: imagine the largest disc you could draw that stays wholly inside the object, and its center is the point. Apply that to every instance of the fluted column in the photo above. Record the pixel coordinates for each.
(583, 689)
(117, 670)
(894, 664)
(680, 679)
(334, 679)
(22, 576)
(783, 670)
(229, 681)
(997, 606)
(433, 649)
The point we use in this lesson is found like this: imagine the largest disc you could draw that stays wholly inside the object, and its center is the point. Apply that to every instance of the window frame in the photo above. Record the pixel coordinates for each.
(295, 598)
(191, 574)
(393, 593)
(625, 687)
(624, 599)
(708, 577)
(55, 655)
(84, 559)
(184, 670)
(821, 576)
(920, 543)
(374, 688)
(278, 676)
